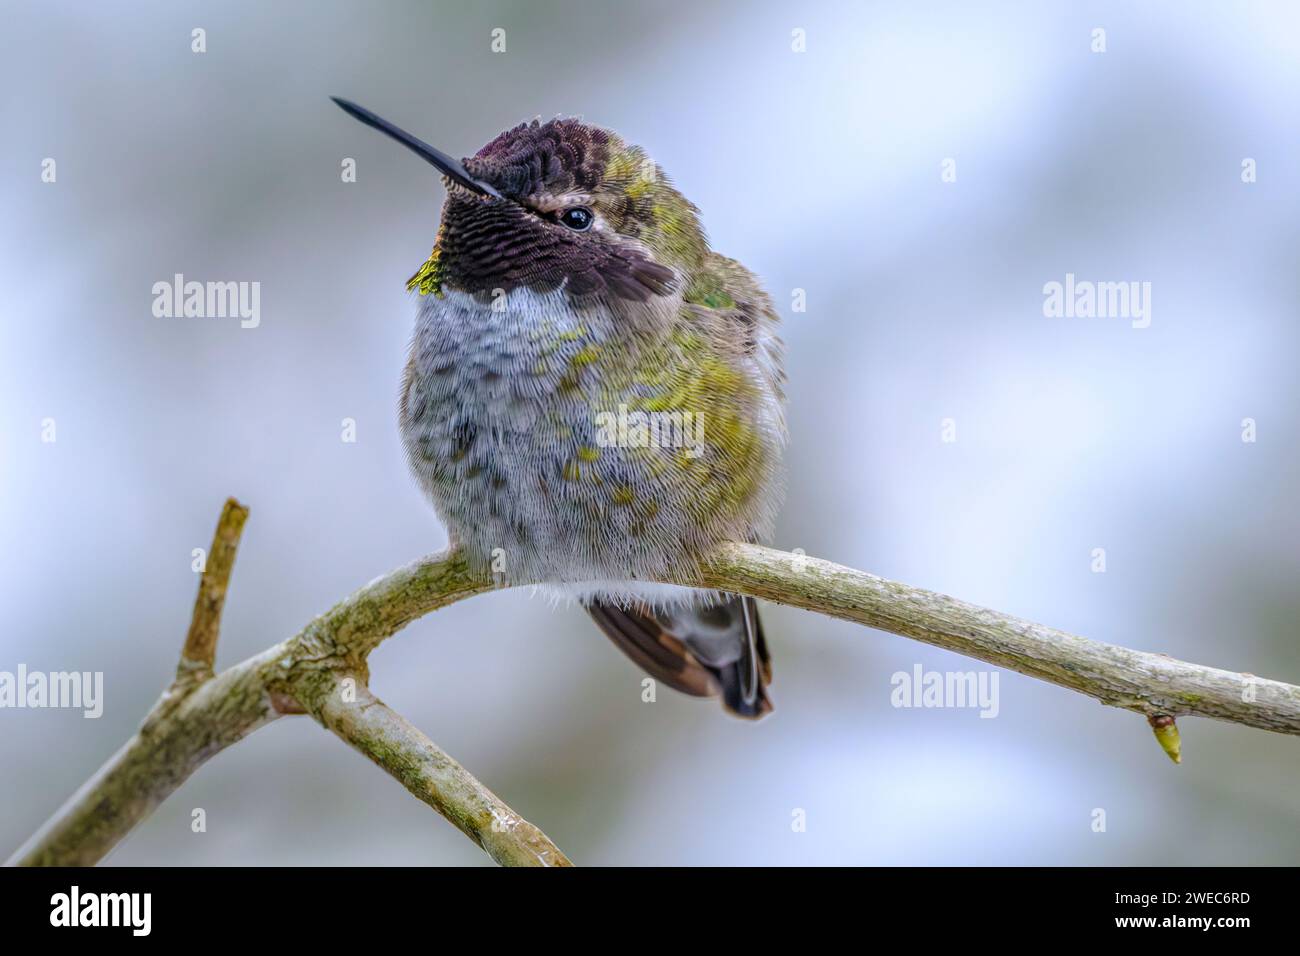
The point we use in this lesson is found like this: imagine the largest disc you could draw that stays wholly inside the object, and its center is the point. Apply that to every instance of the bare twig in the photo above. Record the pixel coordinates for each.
(199, 655)
(391, 741)
(306, 672)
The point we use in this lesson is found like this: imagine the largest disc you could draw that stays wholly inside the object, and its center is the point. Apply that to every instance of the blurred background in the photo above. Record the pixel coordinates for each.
(821, 171)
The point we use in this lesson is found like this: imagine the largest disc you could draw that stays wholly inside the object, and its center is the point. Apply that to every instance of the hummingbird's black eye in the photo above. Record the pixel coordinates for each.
(578, 218)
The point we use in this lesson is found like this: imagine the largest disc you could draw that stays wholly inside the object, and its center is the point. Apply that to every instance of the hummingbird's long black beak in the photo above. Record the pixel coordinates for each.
(445, 164)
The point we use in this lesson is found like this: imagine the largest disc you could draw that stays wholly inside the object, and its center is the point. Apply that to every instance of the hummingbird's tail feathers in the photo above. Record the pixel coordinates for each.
(745, 679)
(639, 635)
(702, 651)
(753, 670)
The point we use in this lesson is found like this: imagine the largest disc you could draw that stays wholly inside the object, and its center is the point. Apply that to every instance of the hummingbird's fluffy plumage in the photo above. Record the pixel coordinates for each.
(594, 397)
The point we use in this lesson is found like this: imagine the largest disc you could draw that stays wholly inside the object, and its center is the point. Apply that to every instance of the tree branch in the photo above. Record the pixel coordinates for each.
(1150, 684)
(391, 741)
(196, 719)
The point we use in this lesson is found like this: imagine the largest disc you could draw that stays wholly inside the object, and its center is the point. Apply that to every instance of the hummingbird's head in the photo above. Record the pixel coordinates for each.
(556, 205)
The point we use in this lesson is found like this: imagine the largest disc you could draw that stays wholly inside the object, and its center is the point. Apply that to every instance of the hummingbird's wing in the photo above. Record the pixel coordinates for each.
(725, 297)
(701, 651)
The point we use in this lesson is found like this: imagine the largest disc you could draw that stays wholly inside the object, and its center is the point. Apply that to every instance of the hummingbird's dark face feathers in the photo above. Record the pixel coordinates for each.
(577, 209)
(488, 245)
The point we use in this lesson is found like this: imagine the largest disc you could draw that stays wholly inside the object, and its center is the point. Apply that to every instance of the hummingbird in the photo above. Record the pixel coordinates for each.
(594, 398)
